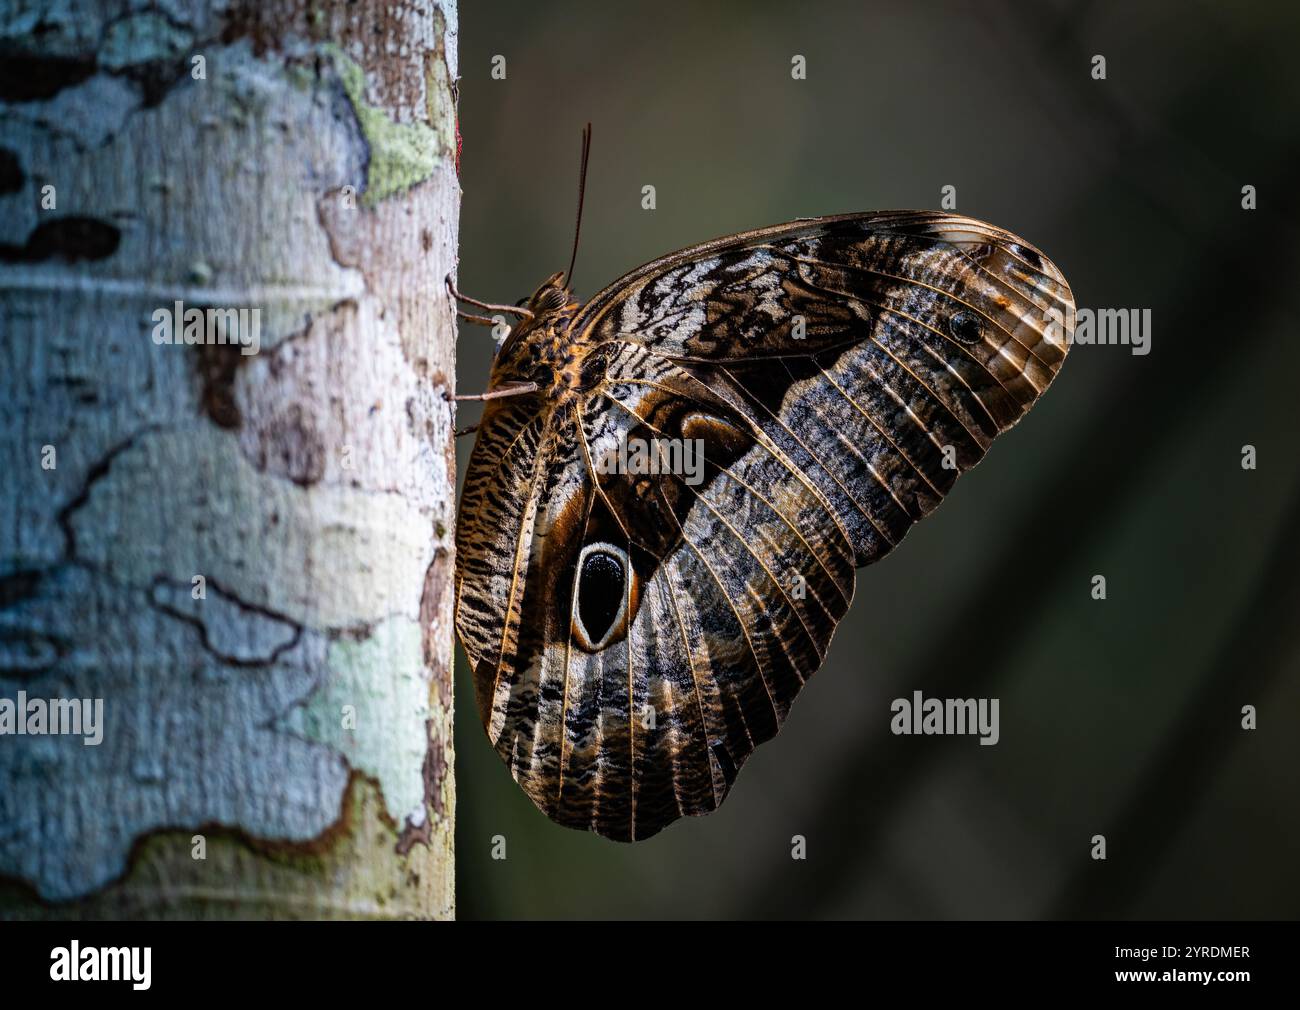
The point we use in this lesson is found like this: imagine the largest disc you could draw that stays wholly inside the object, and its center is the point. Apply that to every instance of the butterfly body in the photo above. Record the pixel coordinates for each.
(655, 545)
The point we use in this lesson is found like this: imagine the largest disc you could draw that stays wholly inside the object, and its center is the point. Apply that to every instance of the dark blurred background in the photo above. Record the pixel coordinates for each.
(1120, 717)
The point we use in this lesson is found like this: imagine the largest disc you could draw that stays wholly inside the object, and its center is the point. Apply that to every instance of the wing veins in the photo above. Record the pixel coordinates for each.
(783, 517)
(740, 621)
(776, 450)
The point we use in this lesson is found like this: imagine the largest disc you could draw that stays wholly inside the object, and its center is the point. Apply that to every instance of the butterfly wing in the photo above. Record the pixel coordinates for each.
(924, 336)
(635, 636)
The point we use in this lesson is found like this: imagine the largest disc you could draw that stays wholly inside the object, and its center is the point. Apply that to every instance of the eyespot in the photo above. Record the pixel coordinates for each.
(600, 595)
(966, 327)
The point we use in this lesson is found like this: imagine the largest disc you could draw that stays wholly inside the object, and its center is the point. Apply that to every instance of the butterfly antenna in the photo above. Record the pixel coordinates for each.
(582, 189)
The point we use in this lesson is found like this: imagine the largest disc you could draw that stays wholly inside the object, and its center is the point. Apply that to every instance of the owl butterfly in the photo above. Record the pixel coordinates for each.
(634, 636)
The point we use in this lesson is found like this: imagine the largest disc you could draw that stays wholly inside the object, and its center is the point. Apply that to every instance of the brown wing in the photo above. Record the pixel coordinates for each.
(920, 331)
(840, 374)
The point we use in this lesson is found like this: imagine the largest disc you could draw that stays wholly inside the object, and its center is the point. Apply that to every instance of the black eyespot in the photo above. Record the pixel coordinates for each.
(522, 302)
(966, 327)
(600, 593)
(1028, 255)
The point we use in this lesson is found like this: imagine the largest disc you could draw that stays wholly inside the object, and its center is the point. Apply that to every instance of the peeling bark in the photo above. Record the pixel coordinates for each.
(246, 556)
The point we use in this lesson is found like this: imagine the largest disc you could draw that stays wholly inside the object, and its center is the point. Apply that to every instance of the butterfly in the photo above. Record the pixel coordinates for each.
(636, 632)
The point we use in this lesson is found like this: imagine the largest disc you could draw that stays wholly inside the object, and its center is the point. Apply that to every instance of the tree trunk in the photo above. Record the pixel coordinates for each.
(234, 532)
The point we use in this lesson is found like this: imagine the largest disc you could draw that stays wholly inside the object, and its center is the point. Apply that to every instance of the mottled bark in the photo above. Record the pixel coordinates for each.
(246, 556)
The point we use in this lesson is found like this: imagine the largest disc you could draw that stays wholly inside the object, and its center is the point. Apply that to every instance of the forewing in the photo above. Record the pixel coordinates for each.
(881, 353)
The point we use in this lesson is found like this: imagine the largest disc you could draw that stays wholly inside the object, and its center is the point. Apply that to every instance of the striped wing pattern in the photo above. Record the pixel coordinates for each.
(840, 373)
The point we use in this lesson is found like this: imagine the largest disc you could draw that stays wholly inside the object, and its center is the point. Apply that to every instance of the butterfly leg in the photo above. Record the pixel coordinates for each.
(469, 317)
(495, 394)
(492, 394)
(512, 309)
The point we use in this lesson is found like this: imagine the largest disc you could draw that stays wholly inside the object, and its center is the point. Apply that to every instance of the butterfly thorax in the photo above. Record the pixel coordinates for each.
(543, 349)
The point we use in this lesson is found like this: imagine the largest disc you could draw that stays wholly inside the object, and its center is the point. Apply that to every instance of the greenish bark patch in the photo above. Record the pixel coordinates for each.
(373, 710)
(401, 155)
